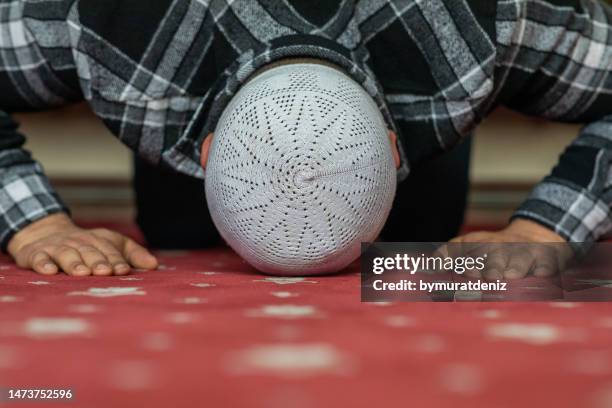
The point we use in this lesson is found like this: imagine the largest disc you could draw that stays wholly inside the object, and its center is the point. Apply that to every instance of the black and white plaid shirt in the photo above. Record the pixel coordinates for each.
(159, 73)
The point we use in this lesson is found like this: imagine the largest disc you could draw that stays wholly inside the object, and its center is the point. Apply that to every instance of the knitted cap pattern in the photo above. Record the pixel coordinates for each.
(300, 171)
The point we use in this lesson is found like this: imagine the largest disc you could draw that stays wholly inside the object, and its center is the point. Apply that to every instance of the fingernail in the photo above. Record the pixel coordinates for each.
(49, 267)
(81, 269)
(102, 268)
(122, 267)
(542, 271)
(494, 274)
(513, 274)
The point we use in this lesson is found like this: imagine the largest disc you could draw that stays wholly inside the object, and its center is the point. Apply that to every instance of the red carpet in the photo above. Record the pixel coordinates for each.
(205, 330)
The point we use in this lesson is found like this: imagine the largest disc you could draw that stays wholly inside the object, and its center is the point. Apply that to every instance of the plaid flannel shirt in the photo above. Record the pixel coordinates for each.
(160, 73)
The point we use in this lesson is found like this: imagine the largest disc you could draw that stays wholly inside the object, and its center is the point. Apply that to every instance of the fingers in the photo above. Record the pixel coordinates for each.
(70, 261)
(79, 257)
(89, 256)
(42, 263)
(95, 260)
(510, 258)
(80, 252)
(135, 254)
(546, 264)
(519, 265)
(544, 271)
(115, 259)
(496, 265)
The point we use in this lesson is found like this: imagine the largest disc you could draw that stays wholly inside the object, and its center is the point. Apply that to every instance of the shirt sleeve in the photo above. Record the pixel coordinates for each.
(36, 71)
(555, 61)
(25, 192)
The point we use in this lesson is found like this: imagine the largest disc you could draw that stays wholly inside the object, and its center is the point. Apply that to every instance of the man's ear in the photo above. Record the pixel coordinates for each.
(395, 151)
(205, 149)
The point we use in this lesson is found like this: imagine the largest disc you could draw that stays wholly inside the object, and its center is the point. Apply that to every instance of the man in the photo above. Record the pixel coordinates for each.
(160, 75)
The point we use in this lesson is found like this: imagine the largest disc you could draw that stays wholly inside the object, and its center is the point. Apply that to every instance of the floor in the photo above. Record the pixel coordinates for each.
(207, 330)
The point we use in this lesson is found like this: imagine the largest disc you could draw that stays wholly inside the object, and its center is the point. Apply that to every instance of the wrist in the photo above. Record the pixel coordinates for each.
(39, 228)
(531, 231)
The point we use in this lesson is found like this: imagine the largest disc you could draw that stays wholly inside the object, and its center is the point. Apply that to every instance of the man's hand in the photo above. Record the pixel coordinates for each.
(525, 253)
(55, 243)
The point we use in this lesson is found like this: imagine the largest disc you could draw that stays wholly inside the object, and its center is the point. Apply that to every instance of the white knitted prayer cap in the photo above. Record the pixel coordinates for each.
(300, 171)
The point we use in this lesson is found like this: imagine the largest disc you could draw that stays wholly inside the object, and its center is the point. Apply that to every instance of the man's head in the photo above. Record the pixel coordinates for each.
(301, 170)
